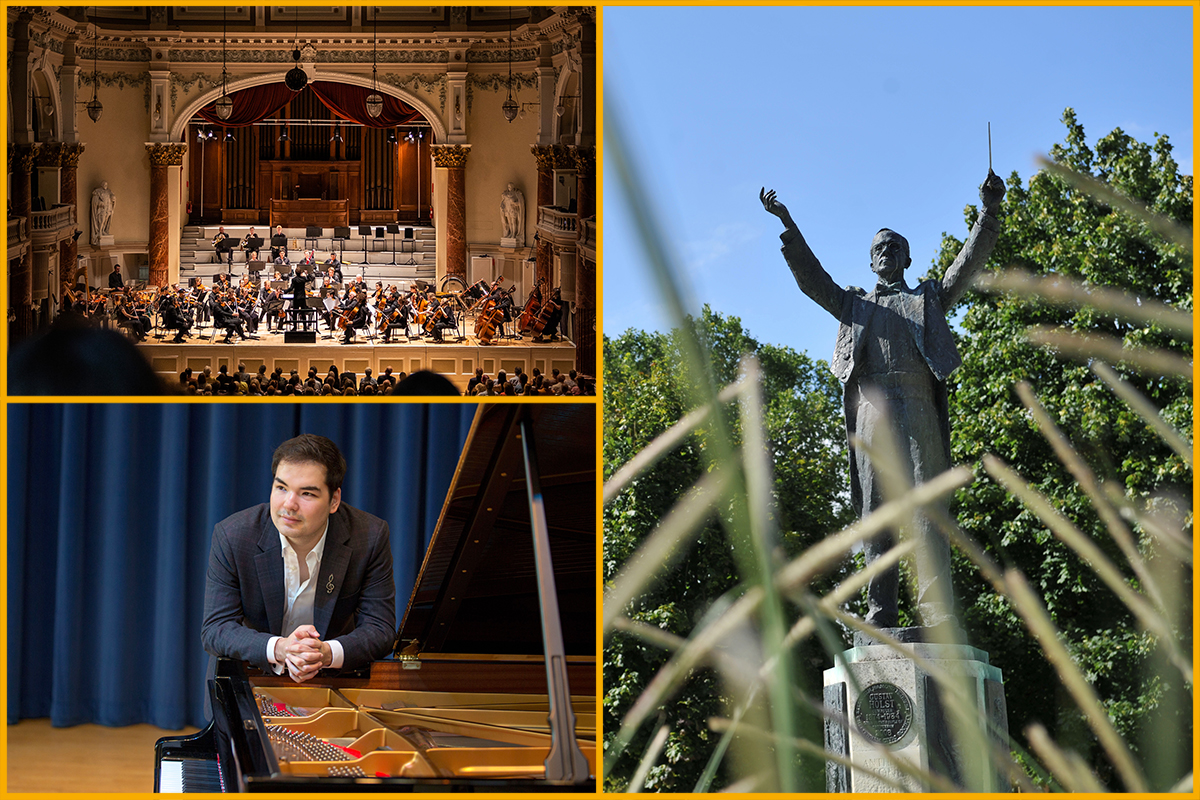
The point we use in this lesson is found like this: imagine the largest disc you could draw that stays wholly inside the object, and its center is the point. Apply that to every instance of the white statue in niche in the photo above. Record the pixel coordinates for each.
(512, 215)
(103, 203)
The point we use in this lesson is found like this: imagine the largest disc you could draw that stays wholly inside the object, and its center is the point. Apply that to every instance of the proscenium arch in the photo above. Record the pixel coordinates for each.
(179, 126)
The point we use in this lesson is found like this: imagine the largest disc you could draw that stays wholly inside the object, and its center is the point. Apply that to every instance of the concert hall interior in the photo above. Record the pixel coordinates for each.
(425, 176)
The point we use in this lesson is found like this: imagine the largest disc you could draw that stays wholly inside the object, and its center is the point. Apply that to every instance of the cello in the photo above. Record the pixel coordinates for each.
(532, 304)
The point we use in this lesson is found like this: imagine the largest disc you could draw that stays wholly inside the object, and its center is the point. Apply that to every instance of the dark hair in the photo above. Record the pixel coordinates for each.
(308, 448)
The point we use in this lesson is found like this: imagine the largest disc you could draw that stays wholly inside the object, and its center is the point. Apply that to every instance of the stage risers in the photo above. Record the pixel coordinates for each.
(197, 258)
(456, 361)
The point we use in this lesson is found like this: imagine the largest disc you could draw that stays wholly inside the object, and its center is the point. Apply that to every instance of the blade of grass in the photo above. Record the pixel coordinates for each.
(1064, 290)
(1087, 347)
(665, 544)
(1176, 234)
(1087, 482)
(663, 444)
(1065, 769)
(1030, 607)
(1140, 404)
(1074, 538)
(653, 750)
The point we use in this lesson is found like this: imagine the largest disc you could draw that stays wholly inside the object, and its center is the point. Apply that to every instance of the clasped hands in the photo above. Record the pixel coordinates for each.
(303, 653)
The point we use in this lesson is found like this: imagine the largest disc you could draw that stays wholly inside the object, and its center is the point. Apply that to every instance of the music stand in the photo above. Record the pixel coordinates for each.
(312, 233)
(341, 234)
(393, 229)
(364, 231)
(412, 249)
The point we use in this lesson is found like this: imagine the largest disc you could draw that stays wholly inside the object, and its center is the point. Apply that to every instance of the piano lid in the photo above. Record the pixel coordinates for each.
(477, 588)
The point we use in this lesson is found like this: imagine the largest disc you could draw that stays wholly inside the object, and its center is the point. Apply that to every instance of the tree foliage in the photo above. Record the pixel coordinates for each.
(1051, 228)
(648, 389)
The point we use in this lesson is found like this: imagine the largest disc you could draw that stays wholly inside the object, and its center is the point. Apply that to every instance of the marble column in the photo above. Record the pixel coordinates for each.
(20, 288)
(585, 175)
(68, 190)
(544, 154)
(453, 159)
(161, 157)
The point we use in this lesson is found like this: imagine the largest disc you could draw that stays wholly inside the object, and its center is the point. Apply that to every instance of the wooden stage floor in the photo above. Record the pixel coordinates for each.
(455, 360)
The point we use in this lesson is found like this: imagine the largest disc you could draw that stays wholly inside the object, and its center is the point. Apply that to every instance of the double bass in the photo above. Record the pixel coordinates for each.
(546, 311)
(532, 304)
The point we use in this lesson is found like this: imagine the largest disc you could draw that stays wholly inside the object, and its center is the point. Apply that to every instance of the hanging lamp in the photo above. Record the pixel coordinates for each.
(224, 106)
(510, 106)
(374, 99)
(296, 79)
(94, 107)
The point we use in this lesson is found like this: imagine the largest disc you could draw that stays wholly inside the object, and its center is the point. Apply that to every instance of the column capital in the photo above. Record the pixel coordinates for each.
(23, 156)
(452, 156)
(544, 155)
(563, 158)
(50, 155)
(71, 153)
(166, 154)
(585, 160)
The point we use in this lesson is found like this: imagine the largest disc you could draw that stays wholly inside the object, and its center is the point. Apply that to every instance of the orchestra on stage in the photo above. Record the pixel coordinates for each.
(343, 309)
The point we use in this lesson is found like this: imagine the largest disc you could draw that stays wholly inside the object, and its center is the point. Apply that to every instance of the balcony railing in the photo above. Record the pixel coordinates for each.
(556, 219)
(54, 219)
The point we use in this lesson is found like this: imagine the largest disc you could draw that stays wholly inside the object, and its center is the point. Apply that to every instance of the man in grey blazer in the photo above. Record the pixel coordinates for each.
(303, 582)
(893, 353)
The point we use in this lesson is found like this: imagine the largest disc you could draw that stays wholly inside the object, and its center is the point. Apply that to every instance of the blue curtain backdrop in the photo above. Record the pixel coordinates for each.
(110, 514)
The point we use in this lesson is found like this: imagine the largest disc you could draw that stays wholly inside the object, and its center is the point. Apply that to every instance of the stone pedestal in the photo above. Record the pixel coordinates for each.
(891, 704)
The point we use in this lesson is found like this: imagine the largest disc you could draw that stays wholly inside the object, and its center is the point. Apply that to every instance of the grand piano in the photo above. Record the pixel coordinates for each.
(492, 683)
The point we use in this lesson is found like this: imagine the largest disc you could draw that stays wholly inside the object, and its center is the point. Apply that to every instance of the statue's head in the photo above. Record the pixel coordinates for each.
(510, 187)
(889, 254)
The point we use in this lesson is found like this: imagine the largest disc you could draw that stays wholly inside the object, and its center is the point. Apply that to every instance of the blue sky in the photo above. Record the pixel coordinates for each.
(860, 118)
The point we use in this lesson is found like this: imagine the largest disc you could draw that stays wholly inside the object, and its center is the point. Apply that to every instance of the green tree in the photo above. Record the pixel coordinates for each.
(647, 389)
(1051, 228)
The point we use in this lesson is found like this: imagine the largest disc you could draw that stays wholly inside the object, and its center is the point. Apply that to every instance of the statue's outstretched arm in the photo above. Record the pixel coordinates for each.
(975, 252)
(810, 276)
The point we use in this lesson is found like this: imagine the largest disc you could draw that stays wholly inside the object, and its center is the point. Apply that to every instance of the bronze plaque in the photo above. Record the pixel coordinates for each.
(883, 713)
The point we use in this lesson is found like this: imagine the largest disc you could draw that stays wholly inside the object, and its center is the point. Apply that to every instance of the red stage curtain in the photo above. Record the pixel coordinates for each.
(350, 103)
(250, 105)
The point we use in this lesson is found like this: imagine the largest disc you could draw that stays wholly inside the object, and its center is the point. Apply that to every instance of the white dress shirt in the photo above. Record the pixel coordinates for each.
(300, 598)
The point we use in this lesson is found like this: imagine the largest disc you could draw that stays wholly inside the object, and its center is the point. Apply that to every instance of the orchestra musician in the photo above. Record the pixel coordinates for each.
(129, 317)
(251, 252)
(443, 320)
(334, 267)
(173, 317)
(217, 244)
(273, 305)
(309, 262)
(115, 281)
(226, 316)
(278, 245)
(355, 316)
(554, 318)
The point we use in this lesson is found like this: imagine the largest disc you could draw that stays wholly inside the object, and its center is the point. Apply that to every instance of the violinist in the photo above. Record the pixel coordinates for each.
(226, 316)
(127, 317)
(173, 318)
(274, 309)
(394, 313)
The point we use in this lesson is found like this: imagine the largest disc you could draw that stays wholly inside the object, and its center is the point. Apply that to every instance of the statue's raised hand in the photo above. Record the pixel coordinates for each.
(992, 192)
(773, 206)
